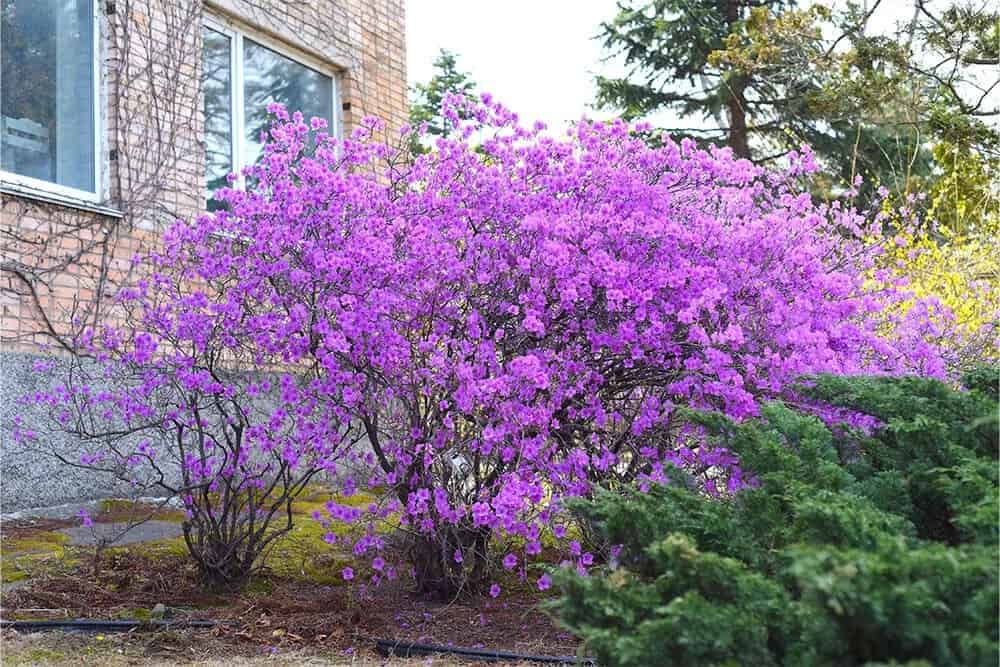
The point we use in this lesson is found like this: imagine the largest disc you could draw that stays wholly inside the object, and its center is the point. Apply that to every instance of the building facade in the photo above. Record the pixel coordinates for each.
(118, 117)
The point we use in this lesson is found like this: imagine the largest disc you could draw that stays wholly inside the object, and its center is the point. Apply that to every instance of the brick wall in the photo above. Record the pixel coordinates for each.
(56, 257)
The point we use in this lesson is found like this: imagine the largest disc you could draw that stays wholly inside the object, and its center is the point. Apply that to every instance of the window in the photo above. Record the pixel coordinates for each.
(48, 94)
(241, 77)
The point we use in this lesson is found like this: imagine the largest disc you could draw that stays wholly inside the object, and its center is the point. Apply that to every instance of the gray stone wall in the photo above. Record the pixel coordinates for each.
(36, 474)
(32, 475)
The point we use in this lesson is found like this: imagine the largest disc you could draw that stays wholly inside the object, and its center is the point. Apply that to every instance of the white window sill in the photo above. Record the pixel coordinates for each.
(26, 192)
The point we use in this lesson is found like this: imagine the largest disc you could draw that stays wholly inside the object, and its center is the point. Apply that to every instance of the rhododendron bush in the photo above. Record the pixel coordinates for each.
(512, 318)
(164, 406)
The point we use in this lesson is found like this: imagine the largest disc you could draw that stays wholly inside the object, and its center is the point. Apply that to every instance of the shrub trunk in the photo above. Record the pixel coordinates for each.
(438, 574)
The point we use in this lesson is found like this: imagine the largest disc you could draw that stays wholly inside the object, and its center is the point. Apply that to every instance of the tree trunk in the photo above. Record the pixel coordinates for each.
(735, 95)
(738, 139)
(438, 576)
(221, 565)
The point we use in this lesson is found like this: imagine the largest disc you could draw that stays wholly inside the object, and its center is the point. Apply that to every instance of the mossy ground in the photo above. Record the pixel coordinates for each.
(183, 649)
(32, 552)
(300, 554)
(298, 606)
(117, 509)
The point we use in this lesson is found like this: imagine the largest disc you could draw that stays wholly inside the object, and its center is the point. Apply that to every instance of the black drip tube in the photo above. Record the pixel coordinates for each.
(101, 625)
(402, 649)
(385, 647)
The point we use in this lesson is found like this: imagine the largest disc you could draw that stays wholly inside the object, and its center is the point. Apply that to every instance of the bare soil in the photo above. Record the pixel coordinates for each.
(275, 617)
(185, 649)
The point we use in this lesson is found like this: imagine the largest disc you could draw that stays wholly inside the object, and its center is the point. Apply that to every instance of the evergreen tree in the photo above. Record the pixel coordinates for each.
(425, 103)
(765, 76)
(666, 45)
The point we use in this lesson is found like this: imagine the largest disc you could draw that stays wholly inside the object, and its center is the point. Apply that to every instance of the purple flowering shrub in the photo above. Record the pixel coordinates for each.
(180, 401)
(513, 323)
(512, 318)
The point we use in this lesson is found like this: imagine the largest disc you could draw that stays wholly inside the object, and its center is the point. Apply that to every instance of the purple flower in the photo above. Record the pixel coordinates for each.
(487, 298)
(544, 582)
(495, 590)
(347, 573)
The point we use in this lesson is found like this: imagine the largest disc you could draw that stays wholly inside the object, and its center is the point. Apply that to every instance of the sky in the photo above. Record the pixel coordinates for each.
(535, 56)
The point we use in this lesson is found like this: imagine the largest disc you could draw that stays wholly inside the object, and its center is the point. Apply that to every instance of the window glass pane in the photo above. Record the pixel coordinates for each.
(270, 77)
(218, 88)
(47, 99)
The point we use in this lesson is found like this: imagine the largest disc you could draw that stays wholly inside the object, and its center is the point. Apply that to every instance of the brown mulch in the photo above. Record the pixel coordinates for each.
(121, 581)
(290, 613)
(28, 528)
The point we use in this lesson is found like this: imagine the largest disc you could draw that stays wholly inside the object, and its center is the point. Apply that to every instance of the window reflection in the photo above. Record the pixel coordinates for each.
(264, 78)
(217, 86)
(47, 106)
(271, 77)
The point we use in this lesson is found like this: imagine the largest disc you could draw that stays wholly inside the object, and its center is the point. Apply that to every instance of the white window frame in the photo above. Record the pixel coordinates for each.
(28, 186)
(237, 32)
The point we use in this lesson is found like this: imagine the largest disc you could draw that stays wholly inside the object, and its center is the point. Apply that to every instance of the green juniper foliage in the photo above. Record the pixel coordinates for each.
(853, 549)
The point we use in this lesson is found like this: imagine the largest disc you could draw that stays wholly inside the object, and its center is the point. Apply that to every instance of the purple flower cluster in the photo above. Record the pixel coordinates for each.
(512, 322)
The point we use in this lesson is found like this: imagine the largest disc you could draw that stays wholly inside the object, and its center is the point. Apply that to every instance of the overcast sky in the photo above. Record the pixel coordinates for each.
(538, 57)
(535, 56)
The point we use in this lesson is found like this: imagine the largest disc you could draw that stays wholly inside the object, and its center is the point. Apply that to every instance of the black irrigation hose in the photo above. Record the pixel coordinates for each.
(401, 649)
(386, 647)
(101, 625)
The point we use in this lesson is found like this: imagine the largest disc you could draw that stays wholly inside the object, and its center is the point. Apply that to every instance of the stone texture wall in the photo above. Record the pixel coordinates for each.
(61, 262)
(33, 474)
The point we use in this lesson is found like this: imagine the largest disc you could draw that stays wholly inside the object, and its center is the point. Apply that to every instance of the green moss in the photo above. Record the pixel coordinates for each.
(22, 557)
(317, 500)
(38, 656)
(8, 574)
(302, 553)
(174, 546)
(118, 506)
(38, 541)
(137, 614)
(261, 585)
